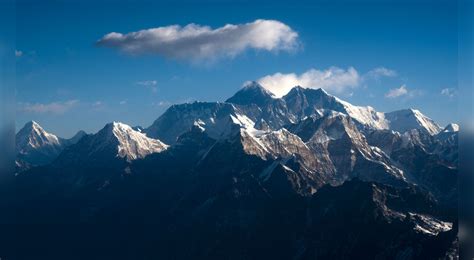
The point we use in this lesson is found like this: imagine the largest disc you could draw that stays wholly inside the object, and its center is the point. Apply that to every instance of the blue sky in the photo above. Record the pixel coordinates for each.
(380, 53)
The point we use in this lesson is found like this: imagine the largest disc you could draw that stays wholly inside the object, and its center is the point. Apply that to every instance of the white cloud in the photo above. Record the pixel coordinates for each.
(380, 72)
(147, 83)
(334, 80)
(397, 92)
(123, 102)
(151, 84)
(449, 92)
(97, 104)
(18, 53)
(51, 108)
(195, 42)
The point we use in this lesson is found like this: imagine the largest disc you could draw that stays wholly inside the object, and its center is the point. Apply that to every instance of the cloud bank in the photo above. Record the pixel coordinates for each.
(197, 42)
(51, 108)
(334, 79)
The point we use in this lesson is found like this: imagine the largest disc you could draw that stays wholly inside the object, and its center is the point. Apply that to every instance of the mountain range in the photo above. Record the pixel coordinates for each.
(304, 176)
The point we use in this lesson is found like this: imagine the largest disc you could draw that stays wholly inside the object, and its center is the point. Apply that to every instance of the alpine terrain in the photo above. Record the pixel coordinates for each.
(304, 176)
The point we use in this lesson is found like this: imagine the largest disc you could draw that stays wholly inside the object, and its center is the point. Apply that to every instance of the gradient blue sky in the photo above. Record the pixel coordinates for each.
(66, 82)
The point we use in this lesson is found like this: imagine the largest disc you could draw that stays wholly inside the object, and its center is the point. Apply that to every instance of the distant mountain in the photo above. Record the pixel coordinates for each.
(307, 102)
(252, 93)
(303, 102)
(451, 128)
(320, 158)
(35, 146)
(449, 134)
(76, 138)
(303, 176)
(447, 144)
(214, 117)
(116, 141)
(407, 119)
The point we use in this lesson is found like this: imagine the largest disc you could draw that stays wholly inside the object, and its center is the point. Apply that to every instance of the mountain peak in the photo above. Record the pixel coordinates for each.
(254, 85)
(130, 144)
(76, 138)
(32, 125)
(407, 119)
(321, 90)
(120, 126)
(32, 128)
(36, 146)
(452, 127)
(115, 124)
(414, 111)
(295, 91)
(251, 93)
(117, 129)
(410, 111)
(311, 92)
(299, 88)
(80, 133)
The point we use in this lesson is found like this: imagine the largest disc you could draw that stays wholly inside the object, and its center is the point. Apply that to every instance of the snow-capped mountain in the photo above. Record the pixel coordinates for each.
(407, 119)
(252, 93)
(302, 170)
(35, 146)
(332, 153)
(337, 151)
(303, 102)
(307, 102)
(269, 113)
(214, 117)
(261, 121)
(326, 135)
(115, 140)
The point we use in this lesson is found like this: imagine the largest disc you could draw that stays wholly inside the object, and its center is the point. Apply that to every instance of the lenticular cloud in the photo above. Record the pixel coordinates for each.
(196, 42)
